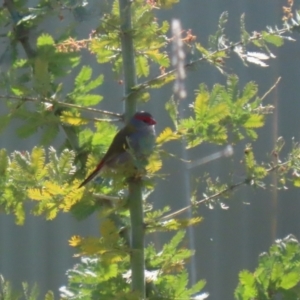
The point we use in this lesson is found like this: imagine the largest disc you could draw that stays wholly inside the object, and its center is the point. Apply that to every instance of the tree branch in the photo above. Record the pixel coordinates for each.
(229, 48)
(271, 88)
(218, 194)
(55, 102)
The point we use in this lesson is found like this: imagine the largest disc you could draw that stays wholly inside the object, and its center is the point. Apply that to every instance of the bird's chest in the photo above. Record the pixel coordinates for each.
(142, 143)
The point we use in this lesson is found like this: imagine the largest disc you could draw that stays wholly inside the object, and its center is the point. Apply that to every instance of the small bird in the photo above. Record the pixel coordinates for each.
(138, 135)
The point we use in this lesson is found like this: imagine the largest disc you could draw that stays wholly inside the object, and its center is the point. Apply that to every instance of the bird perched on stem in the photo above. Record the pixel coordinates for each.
(138, 135)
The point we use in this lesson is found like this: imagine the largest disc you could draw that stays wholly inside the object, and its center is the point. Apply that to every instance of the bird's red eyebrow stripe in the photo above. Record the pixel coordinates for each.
(147, 119)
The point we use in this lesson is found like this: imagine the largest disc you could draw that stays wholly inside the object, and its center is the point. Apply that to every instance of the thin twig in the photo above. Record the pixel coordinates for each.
(216, 195)
(206, 199)
(47, 100)
(228, 48)
(271, 88)
(104, 197)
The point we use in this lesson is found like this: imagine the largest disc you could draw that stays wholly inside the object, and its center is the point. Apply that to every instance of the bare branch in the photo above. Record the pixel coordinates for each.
(271, 88)
(216, 195)
(47, 100)
(228, 48)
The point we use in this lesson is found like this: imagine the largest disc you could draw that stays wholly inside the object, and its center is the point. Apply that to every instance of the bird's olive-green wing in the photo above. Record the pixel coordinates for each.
(119, 143)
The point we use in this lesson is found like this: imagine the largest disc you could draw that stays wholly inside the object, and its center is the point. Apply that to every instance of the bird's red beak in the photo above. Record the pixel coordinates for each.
(152, 121)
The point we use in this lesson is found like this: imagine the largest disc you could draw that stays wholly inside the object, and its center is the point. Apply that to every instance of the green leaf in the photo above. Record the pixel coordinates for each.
(88, 100)
(217, 39)
(245, 36)
(38, 162)
(49, 134)
(254, 121)
(45, 48)
(247, 280)
(83, 76)
(65, 163)
(104, 134)
(72, 118)
(27, 129)
(166, 135)
(161, 58)
(4, 121)
(4, 162)
(142, 66)
(276, 40)
(217, 112)
(277, 271)
(165, 27)
(161, 81)
(41, 75)
(232, 87)
(94, 83)
(142, 96)
(201, 103)
(290, 280)
(44, 40)
(260, 172)
(177, 239)
(202, 50)
(49, 295)
(249, 91)
(19, 90)
(100, 47)
(84, 208)
(197, 287)
(167, 3)
(296, 181)
(172, 109)
(19, 214)
(62, 63)
(20, 63)
(252, 134)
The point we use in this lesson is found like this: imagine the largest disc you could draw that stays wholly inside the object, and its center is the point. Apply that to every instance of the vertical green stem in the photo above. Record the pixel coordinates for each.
(135, 186)
(137, 237)
(128, 56)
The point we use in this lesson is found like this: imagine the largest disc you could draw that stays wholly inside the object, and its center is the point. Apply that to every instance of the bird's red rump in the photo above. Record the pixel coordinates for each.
(147, 118)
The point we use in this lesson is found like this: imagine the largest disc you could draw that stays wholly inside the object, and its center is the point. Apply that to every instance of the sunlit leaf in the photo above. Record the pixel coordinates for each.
(142, 66)
(72, 118)
(254, 121)
(154, 163)
(88, 99)
(201, 104)
(75, 241)
(45, 40)
(276, 40)
(167, 135)
(83, 76)
(171, 108)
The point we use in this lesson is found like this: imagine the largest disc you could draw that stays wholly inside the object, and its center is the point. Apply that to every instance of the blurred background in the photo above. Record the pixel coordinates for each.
(227, 241)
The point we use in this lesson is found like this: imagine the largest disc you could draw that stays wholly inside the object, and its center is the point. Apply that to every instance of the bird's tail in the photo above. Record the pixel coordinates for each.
(92, 175)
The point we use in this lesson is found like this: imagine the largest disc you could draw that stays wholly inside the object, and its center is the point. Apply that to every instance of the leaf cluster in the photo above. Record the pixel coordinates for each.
(101, 276)
(27, 175)
(277, 274)
(149, 37)
(220, 116)
(220, 46)
(7, 292)
(50, 116)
